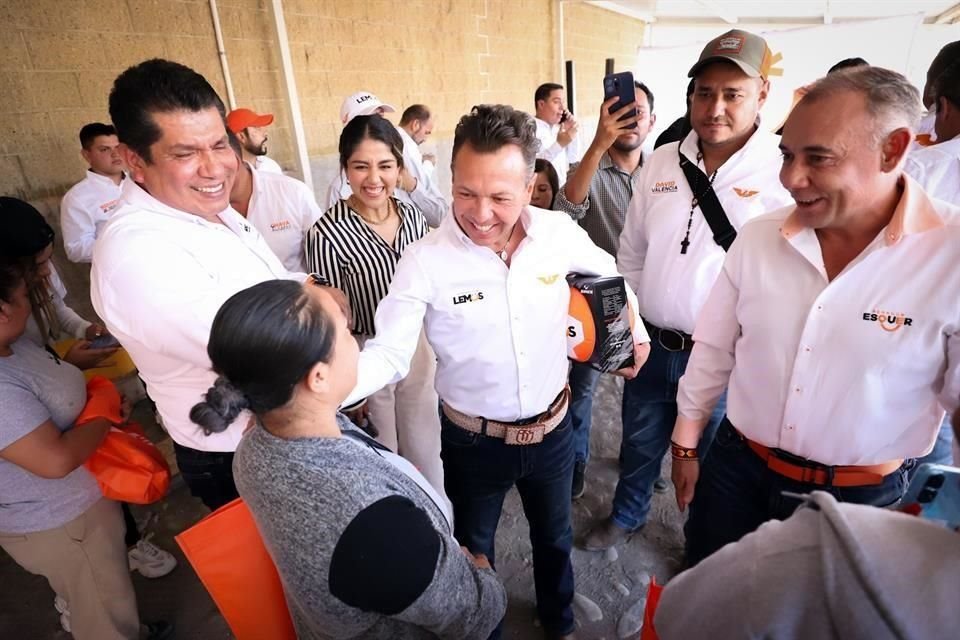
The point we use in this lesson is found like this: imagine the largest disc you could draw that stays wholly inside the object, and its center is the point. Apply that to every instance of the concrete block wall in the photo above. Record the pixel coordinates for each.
(61, 57)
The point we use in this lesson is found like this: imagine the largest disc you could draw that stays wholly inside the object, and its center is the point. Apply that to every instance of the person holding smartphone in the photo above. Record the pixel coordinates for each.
(556, 128)
(597, 195)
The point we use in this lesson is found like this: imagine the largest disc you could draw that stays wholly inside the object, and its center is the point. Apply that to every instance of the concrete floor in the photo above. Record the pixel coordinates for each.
(611, 586)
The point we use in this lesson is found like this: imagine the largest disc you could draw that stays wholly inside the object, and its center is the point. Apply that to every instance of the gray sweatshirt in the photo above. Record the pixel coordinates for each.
(843, 571)
(361, 550)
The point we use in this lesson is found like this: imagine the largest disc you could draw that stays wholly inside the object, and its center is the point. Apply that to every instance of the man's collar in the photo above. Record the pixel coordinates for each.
(914, 214)
(690, 146)
(606, 162)
(99, 177)
(137, 196)
(527, 219)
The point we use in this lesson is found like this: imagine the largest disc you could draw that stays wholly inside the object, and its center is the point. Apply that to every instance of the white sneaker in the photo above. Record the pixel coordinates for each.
(61, 606)
(150, 560)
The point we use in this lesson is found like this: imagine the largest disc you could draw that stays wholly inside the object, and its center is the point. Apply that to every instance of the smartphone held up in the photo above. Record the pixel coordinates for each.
(621, 86)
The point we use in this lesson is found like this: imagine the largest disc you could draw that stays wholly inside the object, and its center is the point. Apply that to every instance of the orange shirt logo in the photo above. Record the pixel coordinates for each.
(745, 193)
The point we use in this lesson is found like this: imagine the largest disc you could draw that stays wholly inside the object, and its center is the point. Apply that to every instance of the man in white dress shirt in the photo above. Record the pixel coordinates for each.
(87, 206)
(251, 129)
(834, 323)
(556, 129)
(936, 168)
(174, 252)
(416, 187)
(280, 207)
(489, 289)
(671, 254)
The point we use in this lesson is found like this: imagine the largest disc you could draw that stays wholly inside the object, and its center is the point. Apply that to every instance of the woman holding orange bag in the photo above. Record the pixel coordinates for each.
(362, 542)
(54, 521)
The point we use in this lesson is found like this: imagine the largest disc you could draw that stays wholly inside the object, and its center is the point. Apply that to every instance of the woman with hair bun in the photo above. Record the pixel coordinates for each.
(363, 543)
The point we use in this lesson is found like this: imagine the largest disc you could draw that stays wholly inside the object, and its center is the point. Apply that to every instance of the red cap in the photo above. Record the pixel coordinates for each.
(240, 119)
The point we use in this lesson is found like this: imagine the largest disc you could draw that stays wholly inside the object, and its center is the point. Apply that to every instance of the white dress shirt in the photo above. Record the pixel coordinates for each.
(84, 210)
(267, 164)
(559, 156)
(851, 371)
(499, 333)
(282, 209)
(671, 286)
(937, 169)
(159, 277)
(426, 195)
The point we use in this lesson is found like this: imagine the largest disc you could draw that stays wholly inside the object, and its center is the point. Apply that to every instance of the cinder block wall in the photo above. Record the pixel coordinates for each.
(61, 56)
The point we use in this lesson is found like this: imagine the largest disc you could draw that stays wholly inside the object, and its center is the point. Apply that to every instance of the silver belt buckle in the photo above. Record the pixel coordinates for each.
(527, 434)
(683, 341)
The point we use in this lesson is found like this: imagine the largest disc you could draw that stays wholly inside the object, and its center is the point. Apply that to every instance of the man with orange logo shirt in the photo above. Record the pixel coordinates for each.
(833, 324)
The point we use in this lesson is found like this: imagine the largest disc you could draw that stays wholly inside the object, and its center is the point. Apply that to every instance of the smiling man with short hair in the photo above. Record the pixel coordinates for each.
(489, 289)
(174, 252)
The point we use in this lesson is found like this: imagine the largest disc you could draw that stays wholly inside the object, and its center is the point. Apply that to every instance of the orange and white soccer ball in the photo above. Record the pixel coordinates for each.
(581, 330)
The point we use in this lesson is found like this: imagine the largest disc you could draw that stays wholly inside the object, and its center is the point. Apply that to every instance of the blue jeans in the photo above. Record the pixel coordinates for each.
(736, 493)
(583, 384)
(478, 472)
(649, 413)
(942, 452)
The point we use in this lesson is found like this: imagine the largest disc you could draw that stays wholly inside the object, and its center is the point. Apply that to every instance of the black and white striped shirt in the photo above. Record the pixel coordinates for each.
(341, 247)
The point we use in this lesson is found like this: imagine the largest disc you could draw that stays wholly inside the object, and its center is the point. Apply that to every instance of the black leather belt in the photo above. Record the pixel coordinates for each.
(670, 339)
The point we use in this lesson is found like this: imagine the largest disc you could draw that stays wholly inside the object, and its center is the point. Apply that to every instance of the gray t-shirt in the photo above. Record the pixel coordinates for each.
(34, 388)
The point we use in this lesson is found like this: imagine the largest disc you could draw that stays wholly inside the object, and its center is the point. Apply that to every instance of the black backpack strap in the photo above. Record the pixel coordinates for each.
(723, 232)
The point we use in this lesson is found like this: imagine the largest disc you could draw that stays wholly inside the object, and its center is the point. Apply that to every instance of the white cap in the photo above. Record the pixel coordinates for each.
(362, 103)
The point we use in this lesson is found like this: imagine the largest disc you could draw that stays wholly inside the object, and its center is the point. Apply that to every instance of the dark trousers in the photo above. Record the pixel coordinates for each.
(736, 493)
(478, 472)
(208, 474)
(649, 412)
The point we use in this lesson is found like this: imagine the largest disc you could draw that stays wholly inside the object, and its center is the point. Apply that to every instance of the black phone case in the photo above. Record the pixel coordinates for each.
(621, 86)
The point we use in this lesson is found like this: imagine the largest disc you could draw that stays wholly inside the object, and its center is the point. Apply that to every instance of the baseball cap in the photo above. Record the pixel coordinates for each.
(362, 103)
(240, 119)
(747, 50)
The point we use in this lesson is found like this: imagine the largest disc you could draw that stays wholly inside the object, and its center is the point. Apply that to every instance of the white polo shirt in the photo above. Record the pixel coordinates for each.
(426, 196)
(159, 277)
(499, 333)
(560, 157)
(671, 286)
(851, 371)
(937, 169)
(282, 209)
(84, 210)
(267, 165)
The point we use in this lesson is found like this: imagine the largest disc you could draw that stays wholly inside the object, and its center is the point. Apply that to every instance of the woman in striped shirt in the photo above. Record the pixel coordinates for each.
(356, 245)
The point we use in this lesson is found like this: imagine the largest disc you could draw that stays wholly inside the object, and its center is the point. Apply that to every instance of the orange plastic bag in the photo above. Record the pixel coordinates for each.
(127, 466)
(227, 552)
(649, 632)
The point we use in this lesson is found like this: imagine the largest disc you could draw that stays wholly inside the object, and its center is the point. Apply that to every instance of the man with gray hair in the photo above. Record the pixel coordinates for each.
(489, 290)
(834, 324)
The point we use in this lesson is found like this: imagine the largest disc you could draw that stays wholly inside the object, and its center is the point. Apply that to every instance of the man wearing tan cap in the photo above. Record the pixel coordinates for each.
(251, 130)
(834, 324)
(689, 201)
(415, 187)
